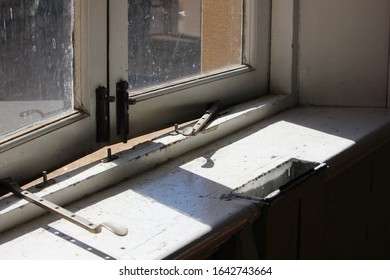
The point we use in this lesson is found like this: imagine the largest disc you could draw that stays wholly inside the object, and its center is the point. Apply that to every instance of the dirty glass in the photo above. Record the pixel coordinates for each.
(171, 40)
(36, 57)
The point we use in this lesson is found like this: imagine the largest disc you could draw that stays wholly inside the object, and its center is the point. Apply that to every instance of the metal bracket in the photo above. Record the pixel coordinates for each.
(103, 114)
(193, 130)
(122, 110)
(59, 211)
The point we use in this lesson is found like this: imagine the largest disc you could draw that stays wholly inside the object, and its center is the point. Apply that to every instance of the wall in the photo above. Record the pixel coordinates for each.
(344, 52)
(344, 61)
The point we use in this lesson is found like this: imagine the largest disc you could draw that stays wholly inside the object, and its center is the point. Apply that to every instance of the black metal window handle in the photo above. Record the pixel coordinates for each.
(122, 110)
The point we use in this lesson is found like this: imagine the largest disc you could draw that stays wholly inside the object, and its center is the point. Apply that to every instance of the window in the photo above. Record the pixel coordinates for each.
(48, 80)
(174, 40)
(36, 58)
(178, 56)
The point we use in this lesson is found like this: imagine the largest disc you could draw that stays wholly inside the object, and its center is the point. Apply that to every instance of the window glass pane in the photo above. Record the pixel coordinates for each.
(36, 76)
(171, 40)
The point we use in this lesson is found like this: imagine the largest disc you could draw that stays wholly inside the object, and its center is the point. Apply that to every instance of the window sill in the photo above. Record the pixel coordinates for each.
(176, 205)
(96, 176)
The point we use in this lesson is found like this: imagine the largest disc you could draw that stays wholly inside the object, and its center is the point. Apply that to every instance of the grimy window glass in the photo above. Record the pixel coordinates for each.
(171, 40)
(36, 61)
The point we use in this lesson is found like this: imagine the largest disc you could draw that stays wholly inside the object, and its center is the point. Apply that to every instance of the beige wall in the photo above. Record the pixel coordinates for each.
(344, 52)
(221, 33)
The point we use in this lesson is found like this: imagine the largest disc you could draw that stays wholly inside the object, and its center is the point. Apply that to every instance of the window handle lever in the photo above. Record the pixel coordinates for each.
(193, 130)
(59, 211)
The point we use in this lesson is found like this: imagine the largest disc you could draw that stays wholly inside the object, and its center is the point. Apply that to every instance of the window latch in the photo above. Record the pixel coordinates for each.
(103, 114)
(122, 110)
(59, 211)
(193, 130)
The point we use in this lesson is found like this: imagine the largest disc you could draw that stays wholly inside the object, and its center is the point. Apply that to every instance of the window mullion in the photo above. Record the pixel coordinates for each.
(117, 55)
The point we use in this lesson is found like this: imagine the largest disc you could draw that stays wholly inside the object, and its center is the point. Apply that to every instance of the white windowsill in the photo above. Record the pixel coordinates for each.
(97, 176)
(177, 204)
